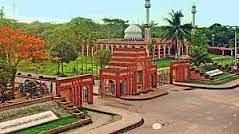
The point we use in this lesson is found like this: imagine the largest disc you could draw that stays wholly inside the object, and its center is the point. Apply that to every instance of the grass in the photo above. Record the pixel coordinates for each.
(64, 117)
(83, 64)
(50, 125)
(162, 63)
(222, 59)
(32, 109)
(216, 81)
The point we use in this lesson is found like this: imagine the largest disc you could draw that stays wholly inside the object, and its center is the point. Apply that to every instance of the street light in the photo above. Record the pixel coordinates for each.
(235, 42)
(213, 37)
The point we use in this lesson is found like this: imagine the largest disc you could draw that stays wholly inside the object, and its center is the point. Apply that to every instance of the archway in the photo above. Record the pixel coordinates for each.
(85, 94)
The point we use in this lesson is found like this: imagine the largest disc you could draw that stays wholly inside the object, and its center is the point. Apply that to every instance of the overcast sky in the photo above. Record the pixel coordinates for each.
(209, 11)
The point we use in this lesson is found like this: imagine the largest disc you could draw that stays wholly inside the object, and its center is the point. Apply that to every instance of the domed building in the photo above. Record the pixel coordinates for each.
(133, 32)
(134, 38)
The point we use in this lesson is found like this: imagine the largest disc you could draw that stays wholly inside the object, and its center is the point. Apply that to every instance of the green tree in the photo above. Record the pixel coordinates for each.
(64, 52)
(103, 58)
(176, 31)
(6, 74)
(199, 48)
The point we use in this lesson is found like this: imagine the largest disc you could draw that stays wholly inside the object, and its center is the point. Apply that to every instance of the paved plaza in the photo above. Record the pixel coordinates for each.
(197, 111)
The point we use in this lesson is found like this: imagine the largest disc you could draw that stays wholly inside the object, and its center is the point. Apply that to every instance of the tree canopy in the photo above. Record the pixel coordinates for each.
(199, 46)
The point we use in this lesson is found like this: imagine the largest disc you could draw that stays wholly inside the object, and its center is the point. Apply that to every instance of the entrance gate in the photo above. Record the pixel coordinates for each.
(76, 89)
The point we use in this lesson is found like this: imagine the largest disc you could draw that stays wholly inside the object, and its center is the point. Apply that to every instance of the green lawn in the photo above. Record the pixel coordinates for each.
(50, 125)
(222, 59)
(64, 117)
(162, 63)
(32, 109)
(82, 64)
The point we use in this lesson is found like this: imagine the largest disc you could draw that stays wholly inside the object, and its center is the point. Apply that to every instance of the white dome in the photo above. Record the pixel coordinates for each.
(133, 32)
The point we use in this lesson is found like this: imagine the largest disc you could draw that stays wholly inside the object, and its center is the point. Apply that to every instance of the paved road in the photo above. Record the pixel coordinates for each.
(197, 111)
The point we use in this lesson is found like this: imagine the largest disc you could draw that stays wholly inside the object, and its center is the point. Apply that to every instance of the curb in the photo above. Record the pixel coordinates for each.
(144, 98)
(207, 86)
(131, 127)
(135, 122)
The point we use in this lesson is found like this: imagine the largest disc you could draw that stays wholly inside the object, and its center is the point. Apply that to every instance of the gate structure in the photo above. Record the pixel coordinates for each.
(179, 71)
(129, 72)
(76, 89)
(163, 76)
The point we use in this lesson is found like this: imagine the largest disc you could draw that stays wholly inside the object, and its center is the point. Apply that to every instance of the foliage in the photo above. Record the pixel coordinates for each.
(103, 58)
(63, 52)
(176, 31)
(33, 88)
(223, 36)
(81, 65)
(17, 46)
(5, 81)
(162, 63)
(199, 48)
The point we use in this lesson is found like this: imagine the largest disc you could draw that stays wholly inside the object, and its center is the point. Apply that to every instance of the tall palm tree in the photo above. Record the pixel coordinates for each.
(176, 31)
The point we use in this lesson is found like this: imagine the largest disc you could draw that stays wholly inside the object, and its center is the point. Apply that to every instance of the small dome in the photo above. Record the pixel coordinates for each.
(133, 32)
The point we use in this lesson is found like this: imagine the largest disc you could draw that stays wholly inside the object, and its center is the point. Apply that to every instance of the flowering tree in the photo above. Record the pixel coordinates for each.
(16, 46)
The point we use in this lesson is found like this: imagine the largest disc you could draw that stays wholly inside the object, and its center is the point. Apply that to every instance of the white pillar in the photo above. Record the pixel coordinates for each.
(223, 52)
(92, 51)
(82, 50)
(169, 51)
(187, 49)
(101, 46)
(153, 52)
(87, 50)
(179, 50)
(182, 50)
(164, 51)
(112, 48)
(159, 48)
(231, 52)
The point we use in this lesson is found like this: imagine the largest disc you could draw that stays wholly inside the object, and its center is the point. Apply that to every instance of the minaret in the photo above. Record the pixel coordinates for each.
(147, 25)
(194, 11)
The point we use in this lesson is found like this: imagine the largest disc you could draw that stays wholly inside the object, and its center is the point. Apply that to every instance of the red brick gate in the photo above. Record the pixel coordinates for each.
(179, 71)
(76, 89)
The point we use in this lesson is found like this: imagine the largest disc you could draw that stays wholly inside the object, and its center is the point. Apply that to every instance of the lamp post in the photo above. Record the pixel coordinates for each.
(235, 45)
(213, 37)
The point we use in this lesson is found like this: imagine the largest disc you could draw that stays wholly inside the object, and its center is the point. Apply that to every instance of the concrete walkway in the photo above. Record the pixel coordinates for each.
(230, 85)
(154, 93)
(157, 92)
(129, 120)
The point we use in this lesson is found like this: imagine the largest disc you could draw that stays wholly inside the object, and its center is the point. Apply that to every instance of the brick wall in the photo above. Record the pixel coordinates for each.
(25, 103)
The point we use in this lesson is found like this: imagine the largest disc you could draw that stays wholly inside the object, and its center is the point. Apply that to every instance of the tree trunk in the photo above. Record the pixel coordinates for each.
(178, 56)
(62, 68)
(58, 68)
(14, 72)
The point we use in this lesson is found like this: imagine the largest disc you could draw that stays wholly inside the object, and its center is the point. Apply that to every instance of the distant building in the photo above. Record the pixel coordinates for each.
(134, 38)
